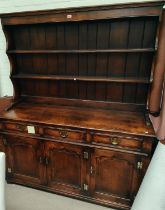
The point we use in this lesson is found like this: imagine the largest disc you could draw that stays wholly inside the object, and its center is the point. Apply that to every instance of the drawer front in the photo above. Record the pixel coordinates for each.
(65, 134)
(23, 128)
(16, 127)
(118, 141)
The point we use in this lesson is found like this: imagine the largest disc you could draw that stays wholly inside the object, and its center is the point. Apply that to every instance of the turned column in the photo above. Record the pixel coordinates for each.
(159, 71)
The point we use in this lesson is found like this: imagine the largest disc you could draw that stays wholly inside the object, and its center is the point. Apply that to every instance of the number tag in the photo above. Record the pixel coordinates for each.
(31, 129)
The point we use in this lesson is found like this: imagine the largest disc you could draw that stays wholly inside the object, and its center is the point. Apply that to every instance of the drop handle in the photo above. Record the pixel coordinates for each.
(114, 140)
(63, 133)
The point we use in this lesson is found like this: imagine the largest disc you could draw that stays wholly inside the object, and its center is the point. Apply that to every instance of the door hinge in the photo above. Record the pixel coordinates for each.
(92, 170)
(147, 120)
(86, 155)
(9, 170)
(40, 160)
(139, 165)
(85, 187)
(4, 141)
(156, 44)
(46, 161)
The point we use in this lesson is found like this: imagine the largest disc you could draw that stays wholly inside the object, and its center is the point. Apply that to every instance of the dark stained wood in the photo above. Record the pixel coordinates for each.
(76, 125)
(117, 141)
(93, 13)
(76, 50)
(12, 104)
(89, 8)
(108, 105)
(65, 168)
(159, 70)
(83, 78)
(148, 41)
(129, 122)
(65, 134)
(107, 184)
(30, 168)
(5, 102)
(2, 145)
(79, 51)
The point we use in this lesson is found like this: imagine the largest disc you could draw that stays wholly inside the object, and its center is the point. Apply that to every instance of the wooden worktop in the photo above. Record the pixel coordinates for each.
(107, 120)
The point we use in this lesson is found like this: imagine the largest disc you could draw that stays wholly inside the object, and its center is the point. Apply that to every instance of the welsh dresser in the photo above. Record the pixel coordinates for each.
(78, 124)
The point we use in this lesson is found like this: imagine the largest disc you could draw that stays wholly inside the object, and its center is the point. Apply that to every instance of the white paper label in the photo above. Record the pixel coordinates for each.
(69, 16)
(31, 129)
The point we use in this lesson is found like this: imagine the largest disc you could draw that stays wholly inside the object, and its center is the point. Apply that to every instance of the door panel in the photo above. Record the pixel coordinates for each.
(25, 155)
(66, 169)
(116, 177)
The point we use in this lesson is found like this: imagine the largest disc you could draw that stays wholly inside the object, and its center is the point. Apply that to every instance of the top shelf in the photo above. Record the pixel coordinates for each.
(83, 78)
(135, 50)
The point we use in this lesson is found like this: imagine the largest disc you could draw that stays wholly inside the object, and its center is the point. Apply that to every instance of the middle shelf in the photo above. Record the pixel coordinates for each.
(74, 51)
(84, 78)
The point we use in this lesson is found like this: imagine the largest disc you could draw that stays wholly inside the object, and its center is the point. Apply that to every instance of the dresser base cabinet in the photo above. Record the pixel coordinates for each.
(98, 175)
(109, 175)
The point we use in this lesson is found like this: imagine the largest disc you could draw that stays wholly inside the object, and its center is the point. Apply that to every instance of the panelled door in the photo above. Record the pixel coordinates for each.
(25, 160)
(115, 176)
(66, 168)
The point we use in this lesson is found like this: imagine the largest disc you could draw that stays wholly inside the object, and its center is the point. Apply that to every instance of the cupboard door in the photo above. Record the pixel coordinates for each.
(115, 177)
(25, 160)
(66, 168)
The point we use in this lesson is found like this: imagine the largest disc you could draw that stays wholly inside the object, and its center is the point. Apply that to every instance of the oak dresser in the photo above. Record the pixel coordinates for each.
(78, 123)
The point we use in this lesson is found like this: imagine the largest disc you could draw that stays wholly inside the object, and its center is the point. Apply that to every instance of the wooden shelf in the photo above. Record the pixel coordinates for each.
(84, 78)
(81, 51)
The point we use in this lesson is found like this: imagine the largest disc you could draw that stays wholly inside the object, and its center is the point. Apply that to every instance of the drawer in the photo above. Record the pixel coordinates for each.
(23, 128)
(133, 143)
(65, 134)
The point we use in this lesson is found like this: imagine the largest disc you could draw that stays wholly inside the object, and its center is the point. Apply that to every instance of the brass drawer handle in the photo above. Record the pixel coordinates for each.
(114, 140)
(20, 127)
(63, 133)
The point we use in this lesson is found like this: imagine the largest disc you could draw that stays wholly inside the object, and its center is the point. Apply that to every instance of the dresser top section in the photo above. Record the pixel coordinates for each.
(77, 117)
(119, 10)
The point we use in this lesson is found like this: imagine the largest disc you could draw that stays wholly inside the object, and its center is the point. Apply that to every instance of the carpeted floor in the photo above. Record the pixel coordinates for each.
(23, 198)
